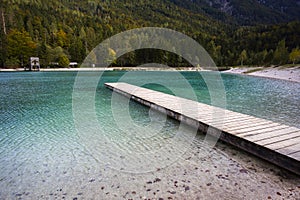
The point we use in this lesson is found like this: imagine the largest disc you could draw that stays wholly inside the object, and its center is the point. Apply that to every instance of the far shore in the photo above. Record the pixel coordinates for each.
(282, 73)
(111, 69)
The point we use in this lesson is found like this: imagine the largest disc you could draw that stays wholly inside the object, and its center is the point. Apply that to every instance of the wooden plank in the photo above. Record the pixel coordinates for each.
(283, 144)
(277, 143)
(260, 131)
(295, 155)
(250, 121)
(236, 126)
(246, 124)
(230, 120)
(214, 121)
(290, 149)
(243, 126)
(270, 134)
(278, 139)
(255, 129)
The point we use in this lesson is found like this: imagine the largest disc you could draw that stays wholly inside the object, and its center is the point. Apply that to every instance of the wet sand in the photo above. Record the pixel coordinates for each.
(232, 175)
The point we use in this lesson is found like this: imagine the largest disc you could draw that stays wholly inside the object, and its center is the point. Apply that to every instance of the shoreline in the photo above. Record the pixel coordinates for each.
(280, 73)
(291, 74)
(104, 69)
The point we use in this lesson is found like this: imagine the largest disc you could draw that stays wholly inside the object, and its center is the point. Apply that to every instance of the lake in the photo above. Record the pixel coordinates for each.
(44, 155)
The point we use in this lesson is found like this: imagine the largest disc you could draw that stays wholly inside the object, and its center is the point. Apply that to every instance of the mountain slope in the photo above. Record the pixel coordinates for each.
(57, 30)
(245, 12)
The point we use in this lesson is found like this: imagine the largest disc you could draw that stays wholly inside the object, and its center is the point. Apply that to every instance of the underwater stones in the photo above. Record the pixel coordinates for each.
(186, 188)
(156, 180)
(244, 171)
(92, 180)
(172, 192)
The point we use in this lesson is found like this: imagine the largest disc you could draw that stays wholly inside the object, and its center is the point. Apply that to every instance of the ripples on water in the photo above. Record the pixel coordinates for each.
(43, 155)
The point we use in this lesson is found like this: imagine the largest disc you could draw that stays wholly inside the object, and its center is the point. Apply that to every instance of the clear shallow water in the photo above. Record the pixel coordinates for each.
(41, 151)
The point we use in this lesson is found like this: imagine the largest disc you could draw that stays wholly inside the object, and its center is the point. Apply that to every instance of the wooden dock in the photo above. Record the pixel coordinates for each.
(274, 142)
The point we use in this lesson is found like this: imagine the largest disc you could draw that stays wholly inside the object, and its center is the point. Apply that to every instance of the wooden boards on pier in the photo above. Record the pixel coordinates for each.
(274, 142)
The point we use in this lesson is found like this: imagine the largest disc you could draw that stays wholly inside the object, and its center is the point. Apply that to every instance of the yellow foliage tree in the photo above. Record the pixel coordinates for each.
(19, 47)
(295, 55)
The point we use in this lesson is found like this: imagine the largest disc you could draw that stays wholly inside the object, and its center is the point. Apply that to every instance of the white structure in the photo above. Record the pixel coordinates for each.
(34, 64)
(73, 64)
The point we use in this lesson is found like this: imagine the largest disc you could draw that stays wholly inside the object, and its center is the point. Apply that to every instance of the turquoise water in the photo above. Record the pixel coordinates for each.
(41, 150)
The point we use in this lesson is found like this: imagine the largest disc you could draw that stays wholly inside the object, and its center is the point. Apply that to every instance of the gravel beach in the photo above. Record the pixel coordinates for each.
(289, 74)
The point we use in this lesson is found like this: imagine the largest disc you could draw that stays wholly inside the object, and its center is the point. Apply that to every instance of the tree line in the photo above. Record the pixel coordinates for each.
(67, 30)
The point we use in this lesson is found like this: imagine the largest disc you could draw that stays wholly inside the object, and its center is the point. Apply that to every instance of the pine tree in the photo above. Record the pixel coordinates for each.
(281, 54)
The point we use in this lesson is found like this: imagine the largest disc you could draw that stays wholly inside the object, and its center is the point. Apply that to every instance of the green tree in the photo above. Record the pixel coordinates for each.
(281, 53)
(111, 56)
(91, 38)
(42, 53)
(19, 47)
(260, 58)
(295, 55)
(53, 54)
(243, 56)
(63, 61)
(82, 36)
(91, 60)
(3, 47)
(77, 50)
(269, 57)
(62, 39)
(215, 52)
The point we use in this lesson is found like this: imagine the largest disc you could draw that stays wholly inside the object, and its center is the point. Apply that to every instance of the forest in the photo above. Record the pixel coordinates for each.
(63, 31)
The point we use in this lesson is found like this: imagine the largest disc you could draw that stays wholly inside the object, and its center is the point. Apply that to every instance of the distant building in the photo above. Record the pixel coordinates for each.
(53, 65)
(34, 64)
(73, 64)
